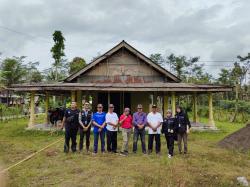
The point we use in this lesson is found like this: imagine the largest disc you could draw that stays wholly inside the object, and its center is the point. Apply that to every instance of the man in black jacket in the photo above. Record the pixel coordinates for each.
(183, 124)
(70, 122)
(85, 121)
(169, 128)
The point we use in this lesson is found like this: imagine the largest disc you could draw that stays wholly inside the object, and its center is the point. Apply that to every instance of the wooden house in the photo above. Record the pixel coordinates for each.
(124, 77)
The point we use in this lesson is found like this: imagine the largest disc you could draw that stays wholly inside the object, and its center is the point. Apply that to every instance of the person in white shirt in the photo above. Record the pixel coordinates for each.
(112, 127)
(154, 120)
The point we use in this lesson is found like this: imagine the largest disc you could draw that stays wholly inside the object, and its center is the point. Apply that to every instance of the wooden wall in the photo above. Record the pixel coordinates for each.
(123, 66)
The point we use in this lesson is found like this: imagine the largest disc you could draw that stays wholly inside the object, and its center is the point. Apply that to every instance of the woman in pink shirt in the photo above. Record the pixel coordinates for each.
(126, 125)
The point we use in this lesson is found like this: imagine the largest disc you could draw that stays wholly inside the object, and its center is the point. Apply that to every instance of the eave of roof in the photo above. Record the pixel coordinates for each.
(177, 87)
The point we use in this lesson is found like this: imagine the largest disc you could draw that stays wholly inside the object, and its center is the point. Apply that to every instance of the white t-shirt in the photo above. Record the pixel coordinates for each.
(154, 120)
(111, 118)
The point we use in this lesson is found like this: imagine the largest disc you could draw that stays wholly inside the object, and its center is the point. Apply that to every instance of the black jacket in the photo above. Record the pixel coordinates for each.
(169, 126)
(182, 122)
(71, 119)
(85, 118)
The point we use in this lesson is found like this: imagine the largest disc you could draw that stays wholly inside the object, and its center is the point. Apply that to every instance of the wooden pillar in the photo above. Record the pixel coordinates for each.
(64, 101)
(46, 117)
(195, 108)
(166, 105)
(32, 110)
(173, 102)
(73, 96)
(79, 99)
(210, 110)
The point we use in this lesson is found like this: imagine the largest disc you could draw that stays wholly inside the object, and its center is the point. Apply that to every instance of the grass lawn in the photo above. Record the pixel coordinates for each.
(205, 165)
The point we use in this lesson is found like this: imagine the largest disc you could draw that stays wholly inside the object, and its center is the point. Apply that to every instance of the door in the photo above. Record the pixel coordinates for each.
(115, 99)
(103, 99)
(120, 100)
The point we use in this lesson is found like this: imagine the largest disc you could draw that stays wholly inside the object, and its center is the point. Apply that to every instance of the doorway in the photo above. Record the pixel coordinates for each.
(119, 99)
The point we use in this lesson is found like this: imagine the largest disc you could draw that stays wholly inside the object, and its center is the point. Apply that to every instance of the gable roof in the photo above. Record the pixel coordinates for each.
(133, 51)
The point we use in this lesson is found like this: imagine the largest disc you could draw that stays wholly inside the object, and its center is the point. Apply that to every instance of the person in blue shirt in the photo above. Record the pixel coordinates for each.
(99, 128)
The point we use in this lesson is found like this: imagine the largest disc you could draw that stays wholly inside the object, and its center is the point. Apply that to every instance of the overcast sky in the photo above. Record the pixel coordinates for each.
(215, 30)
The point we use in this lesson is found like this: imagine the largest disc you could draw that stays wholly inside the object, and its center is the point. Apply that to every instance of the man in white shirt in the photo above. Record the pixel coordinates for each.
(112, 127)
(154, 120)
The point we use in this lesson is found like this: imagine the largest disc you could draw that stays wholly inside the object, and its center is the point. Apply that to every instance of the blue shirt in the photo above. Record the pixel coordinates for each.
(99, 118)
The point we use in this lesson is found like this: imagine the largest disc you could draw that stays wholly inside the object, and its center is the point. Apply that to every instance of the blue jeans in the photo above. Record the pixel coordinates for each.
(96, 138)
(137, 133)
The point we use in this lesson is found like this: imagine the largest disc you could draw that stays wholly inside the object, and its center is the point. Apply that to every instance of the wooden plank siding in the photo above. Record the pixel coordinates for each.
(122, 66)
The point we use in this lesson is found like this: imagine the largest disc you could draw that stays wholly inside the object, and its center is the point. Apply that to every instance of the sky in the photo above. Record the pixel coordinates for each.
(215, 30)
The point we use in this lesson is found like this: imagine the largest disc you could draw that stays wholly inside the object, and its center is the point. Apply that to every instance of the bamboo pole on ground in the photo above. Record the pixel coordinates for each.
(29, 157)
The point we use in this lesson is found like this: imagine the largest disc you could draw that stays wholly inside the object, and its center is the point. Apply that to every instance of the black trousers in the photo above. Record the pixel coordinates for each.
(70, 134)
(87, 135)
(170, 143)
(157, 138)
(111, 141)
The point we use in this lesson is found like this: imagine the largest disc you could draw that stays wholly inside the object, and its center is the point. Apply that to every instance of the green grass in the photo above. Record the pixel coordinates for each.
(205, 165)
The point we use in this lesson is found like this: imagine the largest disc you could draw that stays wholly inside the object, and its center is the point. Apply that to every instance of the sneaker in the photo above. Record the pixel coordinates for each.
(169, 156)
(94, 154)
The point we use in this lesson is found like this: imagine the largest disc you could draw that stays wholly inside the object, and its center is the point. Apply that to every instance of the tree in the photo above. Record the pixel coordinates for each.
(158, 59)
(238, 74)
(50, 74)
(13, 72)
(181, 65)
(246, 63)
(76, 64)
(57, 52)
(225, 77)
(1, 79)
(32, 74)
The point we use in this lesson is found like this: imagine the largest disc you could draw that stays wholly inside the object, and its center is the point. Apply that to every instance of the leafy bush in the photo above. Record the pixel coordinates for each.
(10, 112)
(243, 106)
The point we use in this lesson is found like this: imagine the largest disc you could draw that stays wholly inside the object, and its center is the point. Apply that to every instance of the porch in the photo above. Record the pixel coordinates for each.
(122, 99)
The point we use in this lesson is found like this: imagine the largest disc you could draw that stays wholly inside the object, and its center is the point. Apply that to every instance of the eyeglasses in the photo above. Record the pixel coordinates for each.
(139, 108)
(99, 107)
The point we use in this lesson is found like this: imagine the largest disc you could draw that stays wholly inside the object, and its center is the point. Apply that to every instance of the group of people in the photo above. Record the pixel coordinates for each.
(107, 124)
